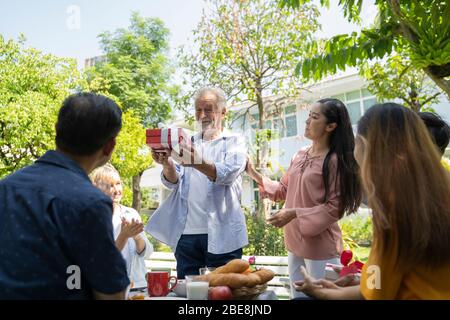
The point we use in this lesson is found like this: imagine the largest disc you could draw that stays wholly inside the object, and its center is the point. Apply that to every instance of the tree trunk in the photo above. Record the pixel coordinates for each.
(262, 154)
(414, 99)
(262, 118)
(137, 198)
(441, 82)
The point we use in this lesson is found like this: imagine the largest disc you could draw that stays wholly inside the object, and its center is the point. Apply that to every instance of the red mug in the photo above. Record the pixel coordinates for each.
(158, 283)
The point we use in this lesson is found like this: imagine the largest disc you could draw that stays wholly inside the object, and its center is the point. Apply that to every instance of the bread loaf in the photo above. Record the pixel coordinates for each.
(233, 266)
(265, 275)
(238, 280)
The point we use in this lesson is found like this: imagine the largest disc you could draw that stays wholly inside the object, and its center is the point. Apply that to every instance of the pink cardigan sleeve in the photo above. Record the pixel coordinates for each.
(315, 220)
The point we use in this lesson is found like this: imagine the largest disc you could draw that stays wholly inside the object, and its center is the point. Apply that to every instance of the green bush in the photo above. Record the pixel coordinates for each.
(264, 239)
(357, 230)
(157, 246)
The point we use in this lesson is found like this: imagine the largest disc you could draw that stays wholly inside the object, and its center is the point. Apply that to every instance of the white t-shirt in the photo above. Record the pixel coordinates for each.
(197, 217)
(135, 262)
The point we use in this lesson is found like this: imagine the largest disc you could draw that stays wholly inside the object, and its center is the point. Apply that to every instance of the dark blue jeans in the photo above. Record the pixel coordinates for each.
(192, 254)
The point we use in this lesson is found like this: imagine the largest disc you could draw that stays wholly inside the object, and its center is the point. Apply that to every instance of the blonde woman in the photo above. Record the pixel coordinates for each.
(128, 227)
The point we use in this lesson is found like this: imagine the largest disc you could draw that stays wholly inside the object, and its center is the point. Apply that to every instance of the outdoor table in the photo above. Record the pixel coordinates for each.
(266, 295)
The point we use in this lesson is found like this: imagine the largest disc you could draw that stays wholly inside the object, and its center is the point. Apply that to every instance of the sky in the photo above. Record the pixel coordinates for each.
(69, 28)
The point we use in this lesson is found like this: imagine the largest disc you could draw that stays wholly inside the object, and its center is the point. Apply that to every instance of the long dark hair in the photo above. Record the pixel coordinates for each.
(438, 128)
(342, 143)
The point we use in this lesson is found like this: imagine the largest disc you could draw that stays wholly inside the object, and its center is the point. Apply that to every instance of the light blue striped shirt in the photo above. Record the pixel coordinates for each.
(226, 221)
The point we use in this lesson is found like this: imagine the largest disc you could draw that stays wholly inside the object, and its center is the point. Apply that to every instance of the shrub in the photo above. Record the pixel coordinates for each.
(264, 239)
(356, 230)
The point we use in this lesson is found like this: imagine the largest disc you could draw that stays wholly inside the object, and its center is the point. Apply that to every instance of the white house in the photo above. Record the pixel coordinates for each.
(288, 120)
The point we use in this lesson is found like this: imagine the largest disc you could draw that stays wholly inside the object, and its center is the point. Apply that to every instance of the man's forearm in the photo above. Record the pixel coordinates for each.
(208, 169)
(170, 173)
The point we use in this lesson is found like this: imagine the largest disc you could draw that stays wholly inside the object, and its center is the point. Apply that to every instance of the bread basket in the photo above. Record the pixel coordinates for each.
(248, 293)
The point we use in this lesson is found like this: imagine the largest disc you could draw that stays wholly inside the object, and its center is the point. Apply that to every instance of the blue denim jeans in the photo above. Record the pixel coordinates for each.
(192, 254)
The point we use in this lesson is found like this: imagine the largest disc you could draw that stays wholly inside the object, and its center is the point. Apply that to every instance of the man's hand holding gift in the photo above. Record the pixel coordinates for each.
(188, 156)
(162, 157)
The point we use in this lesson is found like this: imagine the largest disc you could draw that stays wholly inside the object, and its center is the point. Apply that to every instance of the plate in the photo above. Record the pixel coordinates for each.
(165, 298)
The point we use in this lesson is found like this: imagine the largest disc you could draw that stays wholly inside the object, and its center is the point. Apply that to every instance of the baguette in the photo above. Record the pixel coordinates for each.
(238, 280)
(233, 266)
(265, 275)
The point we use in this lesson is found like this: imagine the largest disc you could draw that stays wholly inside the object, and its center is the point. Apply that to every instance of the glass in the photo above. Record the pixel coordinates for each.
(196, 289)
(205, 270)
(339, 97)
(291, 126)
(354, 110)
(290, 109)
(366, 93)
(368, 103)
(353, 95)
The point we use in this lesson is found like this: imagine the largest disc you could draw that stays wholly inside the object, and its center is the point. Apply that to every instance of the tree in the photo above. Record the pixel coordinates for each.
(397, 78)
(420, 27)
(136, 72)
(131, 156)
(33, 87)
(248, 48)
(245, 47)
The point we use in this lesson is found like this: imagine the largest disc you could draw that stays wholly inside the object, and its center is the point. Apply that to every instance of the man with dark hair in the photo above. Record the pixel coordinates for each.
(438, 128)
(56, 230)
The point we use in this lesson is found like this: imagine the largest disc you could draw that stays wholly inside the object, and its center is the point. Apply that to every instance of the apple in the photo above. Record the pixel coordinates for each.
(220, 293)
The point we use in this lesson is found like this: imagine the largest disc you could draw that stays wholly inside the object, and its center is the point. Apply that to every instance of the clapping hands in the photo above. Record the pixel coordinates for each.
(131, 229)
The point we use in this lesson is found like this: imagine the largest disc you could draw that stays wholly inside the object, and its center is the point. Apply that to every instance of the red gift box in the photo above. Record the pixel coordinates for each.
(166, 138)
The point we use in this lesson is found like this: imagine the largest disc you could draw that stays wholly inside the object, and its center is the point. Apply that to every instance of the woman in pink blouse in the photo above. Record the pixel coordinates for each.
(320, 185)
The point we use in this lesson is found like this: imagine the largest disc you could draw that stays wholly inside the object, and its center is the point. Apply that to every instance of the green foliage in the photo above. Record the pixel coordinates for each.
(131, 155)
(249, 47)
(157, 246)
(136, 70)
(136, 74)
(148, 196)
(396, 77)
(421, 27)
(264, 239)
(356, 230)
(446, 163)
(33, 86)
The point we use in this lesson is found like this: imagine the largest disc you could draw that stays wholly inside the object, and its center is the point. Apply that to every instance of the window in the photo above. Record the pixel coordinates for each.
(354, 95)
(290, 109)
(357, 102)
(291, 126)
(366, 93)
(354, 110)
(339, 97)
(368, 103)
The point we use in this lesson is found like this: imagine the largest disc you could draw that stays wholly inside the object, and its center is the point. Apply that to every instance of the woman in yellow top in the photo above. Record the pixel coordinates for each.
(409, 193)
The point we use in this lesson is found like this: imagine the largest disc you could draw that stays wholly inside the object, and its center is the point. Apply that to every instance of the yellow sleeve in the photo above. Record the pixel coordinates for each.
(380, 279)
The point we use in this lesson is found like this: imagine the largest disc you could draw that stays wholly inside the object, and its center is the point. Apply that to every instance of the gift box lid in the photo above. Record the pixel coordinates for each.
(153, 132)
